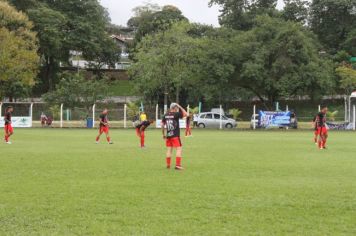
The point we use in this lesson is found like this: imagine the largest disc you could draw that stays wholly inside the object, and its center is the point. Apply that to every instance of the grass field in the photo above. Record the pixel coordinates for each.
(58, 182)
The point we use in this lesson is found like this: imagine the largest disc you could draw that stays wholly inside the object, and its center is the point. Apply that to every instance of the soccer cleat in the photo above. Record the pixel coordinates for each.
(179, 168)
(111, 142)
(96, 142)
(168, 167)
(8, 142)
(324, 147)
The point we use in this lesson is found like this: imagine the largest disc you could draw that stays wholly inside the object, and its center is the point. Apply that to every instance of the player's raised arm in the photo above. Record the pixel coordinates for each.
(184, 112)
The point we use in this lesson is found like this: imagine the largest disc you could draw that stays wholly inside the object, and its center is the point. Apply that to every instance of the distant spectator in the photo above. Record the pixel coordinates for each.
(195, 120)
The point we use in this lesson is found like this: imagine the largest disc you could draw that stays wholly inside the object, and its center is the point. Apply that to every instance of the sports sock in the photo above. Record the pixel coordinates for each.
(108, 139)
(6, 138)
(168, 161)
(97, 139)
(178, 161)
(324, 143)
(142, 139)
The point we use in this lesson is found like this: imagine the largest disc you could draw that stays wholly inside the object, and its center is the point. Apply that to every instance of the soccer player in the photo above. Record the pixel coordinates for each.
(188, 129)
(8, 125)
(322, 128)
(104, 126)
(171, 133)
(140, 131)
(316, 134)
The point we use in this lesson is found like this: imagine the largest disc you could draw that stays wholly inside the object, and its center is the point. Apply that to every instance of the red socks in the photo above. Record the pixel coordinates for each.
(142, 139)
(168, 161)
(178, 161)
(6, 138)
(108, 139)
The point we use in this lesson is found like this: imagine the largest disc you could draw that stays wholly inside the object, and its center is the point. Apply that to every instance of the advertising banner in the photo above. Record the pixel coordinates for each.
(18, 122)
(269, 119)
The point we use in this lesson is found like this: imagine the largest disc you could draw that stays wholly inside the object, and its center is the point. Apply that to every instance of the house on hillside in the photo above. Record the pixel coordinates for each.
(122, 41)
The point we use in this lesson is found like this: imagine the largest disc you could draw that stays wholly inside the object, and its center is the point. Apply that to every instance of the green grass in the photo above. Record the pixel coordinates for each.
(58, 182)
(122, 88)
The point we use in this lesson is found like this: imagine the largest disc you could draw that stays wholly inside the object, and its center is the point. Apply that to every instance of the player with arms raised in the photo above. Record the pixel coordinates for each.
(104, 126)
(171, 133)
(9, 130)
(322, 127)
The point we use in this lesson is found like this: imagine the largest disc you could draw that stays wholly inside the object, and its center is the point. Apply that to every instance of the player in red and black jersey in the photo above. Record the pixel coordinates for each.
(171, 133)
(104, 126)
(140, 131)
(9, 130)
(322, 127)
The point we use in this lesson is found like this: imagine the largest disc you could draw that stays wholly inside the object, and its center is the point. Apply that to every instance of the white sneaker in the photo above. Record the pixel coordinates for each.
(8, 142)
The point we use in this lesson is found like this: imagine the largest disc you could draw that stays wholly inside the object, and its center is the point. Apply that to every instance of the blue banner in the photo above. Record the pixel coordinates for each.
(269, 119)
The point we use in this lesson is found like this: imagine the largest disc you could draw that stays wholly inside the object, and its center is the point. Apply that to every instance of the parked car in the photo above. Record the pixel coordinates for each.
(212, 120)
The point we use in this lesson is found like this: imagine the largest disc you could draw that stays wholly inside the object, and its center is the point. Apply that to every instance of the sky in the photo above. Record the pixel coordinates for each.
(195, 10)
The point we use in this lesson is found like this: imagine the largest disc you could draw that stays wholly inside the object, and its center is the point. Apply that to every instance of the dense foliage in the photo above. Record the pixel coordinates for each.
(18, 53)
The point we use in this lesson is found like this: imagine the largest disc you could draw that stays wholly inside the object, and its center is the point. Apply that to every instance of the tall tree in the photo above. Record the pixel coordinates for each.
(280, 59)
(18, 53)
(68, 25)
(332, 21)
(151, 18)
(241, 14)
(296, 10)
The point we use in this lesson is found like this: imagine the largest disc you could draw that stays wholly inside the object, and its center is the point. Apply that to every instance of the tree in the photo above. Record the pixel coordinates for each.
(68, 25)
(332, 21)
(296, 10)
(18, 53)
(152, 18)
(280, 59)
(178, 64)
(241, 14)
(74, 90)
(347, 77)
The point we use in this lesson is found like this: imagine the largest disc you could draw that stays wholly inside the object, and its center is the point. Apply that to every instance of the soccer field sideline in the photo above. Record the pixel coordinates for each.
(59, 182)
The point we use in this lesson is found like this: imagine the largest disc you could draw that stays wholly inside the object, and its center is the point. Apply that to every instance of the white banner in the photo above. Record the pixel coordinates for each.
(182, 124)
(18, 122)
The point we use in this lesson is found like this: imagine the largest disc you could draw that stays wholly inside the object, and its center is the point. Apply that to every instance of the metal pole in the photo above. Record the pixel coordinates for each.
(350, 109)
(319, 108)
(61, 118)
(287, 108)
(345, 99)
(31, 113)
(156, 112)
(354, 118)
(125, 116)
(0, 109)
(94, 115)
(221, 117)
(254, 117)
(188, 110)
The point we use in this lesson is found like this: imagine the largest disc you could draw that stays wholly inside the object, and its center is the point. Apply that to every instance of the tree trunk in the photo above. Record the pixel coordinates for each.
(165, 97)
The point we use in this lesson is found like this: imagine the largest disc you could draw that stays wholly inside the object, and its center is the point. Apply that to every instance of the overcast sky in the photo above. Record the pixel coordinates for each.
(196, 10)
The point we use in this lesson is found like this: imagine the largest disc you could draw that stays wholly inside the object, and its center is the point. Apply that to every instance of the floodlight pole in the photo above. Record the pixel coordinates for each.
(287, 108)
(125, 116)
(0, 109)
(188, 110)
(61, 116)
(319, 108)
